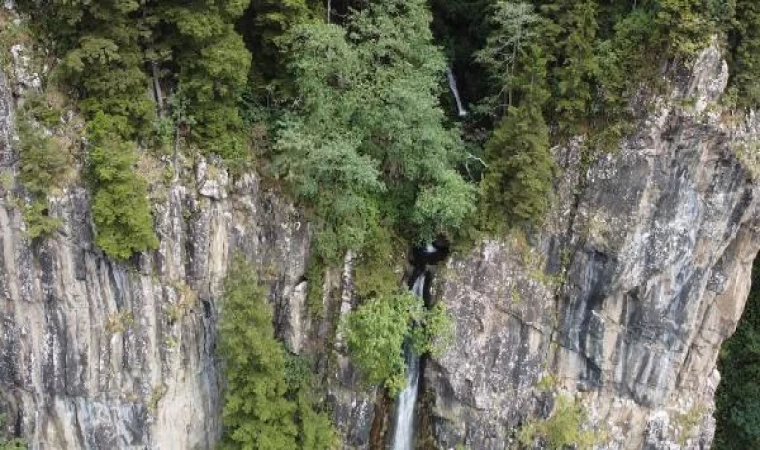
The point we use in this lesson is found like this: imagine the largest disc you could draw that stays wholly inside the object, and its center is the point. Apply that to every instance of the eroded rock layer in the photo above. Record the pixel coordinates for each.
(624, 297)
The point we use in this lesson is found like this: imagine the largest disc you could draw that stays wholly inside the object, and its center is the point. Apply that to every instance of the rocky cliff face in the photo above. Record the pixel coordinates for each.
(624, 297)
(97, 354)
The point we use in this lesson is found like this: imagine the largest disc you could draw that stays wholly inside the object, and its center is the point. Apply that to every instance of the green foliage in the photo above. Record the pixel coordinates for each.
(515, 27)
(738, 396)
(213, 69)
(265, 27)
(745, 56)
(38, 220)
(562, 429)
(570, 34)
(368, 141)
(376, 271)
(120, 207)
(518, 182)
(107, 49)
(376, 332)
(256, 413)
(685, 25)
(434, 331)
(43, 164)
(315, 428)
(267, 399)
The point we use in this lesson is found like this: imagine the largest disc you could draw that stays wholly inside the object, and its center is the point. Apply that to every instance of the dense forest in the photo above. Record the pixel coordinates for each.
(344, 106)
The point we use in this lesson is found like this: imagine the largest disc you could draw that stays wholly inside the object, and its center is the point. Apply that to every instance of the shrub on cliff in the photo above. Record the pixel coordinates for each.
(563, 429)
(120, 207)
(42, 167)
(377, 330)
(267, 401)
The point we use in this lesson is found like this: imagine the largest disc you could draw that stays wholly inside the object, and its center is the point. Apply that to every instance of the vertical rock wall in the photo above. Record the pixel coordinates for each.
(623, 298)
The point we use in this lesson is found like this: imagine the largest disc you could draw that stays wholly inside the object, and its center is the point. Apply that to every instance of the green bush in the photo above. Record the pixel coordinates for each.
(562, 429)
(376, 332)
(43, 164)
(10, 444)
(268, 401)
(120, 207)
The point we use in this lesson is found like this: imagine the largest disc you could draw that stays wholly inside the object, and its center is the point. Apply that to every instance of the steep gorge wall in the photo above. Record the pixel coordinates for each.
(624, 298)
(98, 354)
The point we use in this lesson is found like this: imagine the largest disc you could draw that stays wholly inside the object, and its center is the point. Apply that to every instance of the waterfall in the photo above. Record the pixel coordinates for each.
(453, 86)
(403, 435)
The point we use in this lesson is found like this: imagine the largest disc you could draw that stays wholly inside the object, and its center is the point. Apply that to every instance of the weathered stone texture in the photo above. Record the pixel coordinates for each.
(625, 296)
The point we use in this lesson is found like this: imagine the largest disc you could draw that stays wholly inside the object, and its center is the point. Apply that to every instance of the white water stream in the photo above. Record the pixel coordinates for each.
(403, 435)
(453, 86)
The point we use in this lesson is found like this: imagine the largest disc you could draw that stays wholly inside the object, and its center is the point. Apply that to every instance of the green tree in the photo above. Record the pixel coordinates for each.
(120, 207)
(376, 332)
(738, 395)
(101, 57)
(211, 66)
(514, 26)
(573, 66)
(684, 26)
(315, 430)
(256, 413)
(745, 58)
(266, 25)
(518, 181)
(370, 123)
(43, 163)
(269, 397)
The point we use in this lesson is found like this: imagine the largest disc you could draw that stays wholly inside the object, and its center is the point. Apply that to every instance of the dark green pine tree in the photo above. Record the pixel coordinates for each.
(265, 25)
(570, 36)
(746, 56)
(210, 63)
(120, 207)
(518, 181)
(256, 413)
(103, 61)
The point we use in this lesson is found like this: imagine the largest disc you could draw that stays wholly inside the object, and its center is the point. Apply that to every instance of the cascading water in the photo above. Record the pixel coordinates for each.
(453, 86)
(403, 435)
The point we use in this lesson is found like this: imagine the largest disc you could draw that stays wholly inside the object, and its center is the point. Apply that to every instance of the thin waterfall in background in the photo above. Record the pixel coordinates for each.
(453, 86)
(403, 435)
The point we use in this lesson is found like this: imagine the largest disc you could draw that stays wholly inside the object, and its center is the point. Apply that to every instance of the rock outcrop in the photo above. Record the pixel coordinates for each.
(624, 297)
